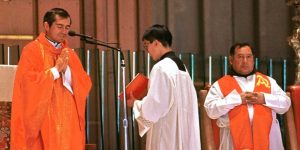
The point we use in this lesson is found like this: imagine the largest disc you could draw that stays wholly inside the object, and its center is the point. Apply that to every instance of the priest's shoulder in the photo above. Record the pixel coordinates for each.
(31, 50)
(32, 47)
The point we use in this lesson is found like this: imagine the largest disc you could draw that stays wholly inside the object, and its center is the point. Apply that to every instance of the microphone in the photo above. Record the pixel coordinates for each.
(86, 37)
(73, 33)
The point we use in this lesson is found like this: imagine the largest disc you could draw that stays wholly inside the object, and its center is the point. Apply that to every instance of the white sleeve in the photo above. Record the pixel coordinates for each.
(144, 124)
(216, 105)
(157, 102)
(67, 79)
(55, 73)
(278, 101)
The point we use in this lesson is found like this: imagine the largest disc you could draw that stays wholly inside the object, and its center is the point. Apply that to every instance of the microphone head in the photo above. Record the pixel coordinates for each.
(72, 33)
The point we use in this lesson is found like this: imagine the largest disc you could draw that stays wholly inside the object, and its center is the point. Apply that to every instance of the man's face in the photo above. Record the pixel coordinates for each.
(152, 49)
(59, 29)
(243, 60)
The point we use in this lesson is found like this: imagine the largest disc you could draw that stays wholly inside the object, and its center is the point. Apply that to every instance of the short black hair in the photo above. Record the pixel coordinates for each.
(160, 33)
(239, 45)
(50, 15)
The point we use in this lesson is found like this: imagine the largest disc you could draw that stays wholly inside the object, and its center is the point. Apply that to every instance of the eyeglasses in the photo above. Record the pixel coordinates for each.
(146, 44)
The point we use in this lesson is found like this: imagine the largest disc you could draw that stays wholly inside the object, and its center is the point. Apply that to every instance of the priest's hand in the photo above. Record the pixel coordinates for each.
(130, 100)
(62, 60)
(253, 98)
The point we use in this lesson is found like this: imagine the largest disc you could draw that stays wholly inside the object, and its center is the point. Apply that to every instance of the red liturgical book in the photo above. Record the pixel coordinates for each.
(138, 86)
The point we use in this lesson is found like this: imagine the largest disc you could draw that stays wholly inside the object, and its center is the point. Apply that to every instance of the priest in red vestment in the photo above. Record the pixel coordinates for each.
(50, 90)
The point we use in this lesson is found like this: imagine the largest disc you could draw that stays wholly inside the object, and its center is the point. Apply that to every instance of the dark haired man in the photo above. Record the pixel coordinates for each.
(245, 104)
(169, 111)
(50, 90)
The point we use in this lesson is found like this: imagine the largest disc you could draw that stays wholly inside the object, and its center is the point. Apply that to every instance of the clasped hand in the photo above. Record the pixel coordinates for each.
(62, 60)
(252, 98)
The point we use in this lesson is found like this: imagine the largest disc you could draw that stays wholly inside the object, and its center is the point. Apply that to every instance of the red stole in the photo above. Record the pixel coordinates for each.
(244, 136)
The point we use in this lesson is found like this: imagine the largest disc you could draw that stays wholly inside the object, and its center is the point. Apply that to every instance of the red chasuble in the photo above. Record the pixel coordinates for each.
(45, 115)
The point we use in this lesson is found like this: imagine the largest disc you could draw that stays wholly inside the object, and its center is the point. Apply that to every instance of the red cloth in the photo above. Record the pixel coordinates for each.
(245, 136)
(295, 97)
(45, 115)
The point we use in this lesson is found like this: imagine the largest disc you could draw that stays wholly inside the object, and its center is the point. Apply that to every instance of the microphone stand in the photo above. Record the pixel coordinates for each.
(125, 121)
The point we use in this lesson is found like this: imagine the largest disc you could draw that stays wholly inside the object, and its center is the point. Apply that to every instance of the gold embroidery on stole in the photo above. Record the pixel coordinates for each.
(262, 80)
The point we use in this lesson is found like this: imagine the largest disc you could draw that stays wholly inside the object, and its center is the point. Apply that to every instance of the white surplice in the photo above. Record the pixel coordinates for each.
(217, 106)
(169, 112)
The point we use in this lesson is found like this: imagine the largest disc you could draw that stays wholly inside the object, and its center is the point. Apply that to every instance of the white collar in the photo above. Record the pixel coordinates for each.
(57, 45)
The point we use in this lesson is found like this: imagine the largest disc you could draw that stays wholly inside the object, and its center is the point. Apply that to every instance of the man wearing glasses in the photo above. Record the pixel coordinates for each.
(169, 111)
